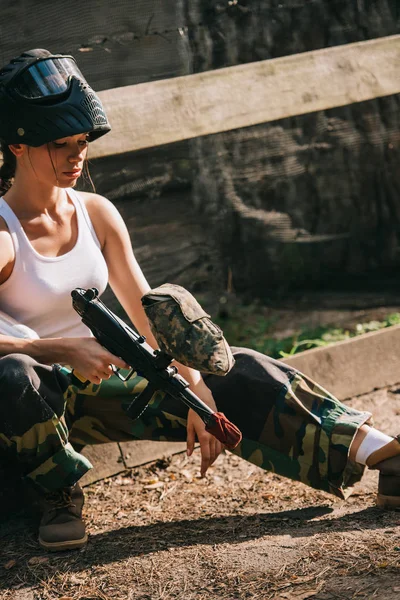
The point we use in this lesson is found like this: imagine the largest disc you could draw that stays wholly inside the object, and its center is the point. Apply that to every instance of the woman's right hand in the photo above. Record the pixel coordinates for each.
(90, 359)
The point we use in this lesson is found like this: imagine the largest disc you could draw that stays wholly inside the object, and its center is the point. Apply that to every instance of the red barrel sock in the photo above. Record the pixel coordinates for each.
(225, 431)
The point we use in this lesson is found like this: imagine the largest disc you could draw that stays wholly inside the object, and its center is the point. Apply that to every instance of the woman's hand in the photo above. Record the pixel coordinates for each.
(91, 360)
(210, 447)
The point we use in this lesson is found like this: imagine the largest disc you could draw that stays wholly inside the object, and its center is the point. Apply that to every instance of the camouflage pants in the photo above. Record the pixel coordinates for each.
(290, 425)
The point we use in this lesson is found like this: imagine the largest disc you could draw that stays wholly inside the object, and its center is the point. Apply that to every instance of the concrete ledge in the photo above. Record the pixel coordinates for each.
(106, 459)
(356, 366)
(140, 453)
(111, 459)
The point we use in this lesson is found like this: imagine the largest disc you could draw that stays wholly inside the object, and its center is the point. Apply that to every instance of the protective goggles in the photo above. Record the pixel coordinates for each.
(46, 78)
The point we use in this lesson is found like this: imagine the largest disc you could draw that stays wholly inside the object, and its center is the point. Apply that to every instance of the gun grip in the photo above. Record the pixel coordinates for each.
(116, 372)
(78, 380)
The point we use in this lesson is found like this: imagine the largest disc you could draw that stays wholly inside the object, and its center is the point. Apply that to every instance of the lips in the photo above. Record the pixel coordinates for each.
(74, 173)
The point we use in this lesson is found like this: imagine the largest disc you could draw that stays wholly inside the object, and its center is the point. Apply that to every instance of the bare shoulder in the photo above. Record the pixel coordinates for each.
(103, 214)
(95, 202)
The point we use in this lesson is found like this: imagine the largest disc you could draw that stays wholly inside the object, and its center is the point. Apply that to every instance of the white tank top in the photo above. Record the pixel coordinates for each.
(38, 292)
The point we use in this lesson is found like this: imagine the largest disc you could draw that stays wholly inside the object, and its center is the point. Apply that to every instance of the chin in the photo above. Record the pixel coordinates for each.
(64, 186)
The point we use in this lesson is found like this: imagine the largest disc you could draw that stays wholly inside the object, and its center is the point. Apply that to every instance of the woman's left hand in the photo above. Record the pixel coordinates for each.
(210, 447)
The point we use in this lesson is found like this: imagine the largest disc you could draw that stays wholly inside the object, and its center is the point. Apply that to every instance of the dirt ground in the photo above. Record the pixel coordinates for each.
(161, 533)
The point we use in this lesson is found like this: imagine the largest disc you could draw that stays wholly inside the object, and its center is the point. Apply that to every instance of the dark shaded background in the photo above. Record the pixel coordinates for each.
(310, 202)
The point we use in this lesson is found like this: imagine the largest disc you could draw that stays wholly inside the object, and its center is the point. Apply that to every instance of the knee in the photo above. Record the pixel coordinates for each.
(15, 369)
(20, 403)
(255, 377)
(246, 359)
(16, 372)
(253, 367)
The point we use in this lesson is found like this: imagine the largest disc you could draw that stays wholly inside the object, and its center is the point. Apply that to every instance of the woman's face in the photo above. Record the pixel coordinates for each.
(58, 163)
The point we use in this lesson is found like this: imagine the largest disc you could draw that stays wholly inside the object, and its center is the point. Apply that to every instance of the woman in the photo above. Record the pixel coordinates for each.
(53, 239)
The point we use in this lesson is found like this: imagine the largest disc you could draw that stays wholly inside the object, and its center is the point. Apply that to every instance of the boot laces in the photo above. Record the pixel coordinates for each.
(60, 499)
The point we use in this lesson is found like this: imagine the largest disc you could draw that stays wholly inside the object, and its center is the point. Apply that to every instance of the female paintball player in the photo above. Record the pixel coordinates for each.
(54, 239)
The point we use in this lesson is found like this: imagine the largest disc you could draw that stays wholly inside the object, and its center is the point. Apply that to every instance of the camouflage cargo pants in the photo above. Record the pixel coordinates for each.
(290, 425)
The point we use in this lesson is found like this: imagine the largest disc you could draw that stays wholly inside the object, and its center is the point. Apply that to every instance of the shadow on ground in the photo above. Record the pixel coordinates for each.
(132, 541)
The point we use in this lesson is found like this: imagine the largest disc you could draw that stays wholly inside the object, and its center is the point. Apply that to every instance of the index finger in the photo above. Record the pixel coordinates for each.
(118, 362)
(205, 459)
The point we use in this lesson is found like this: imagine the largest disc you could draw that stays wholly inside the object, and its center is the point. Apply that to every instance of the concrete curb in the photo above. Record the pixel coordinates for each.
(347, 369)
(356, 366)
(111, 459)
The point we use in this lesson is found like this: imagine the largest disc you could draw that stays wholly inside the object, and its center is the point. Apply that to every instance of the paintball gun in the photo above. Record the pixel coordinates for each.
(154, 365)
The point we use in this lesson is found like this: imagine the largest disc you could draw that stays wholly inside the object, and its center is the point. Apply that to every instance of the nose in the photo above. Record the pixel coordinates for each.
(77, 154)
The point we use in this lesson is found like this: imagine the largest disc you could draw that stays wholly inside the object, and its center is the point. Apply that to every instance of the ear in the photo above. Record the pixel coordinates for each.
(17, 149)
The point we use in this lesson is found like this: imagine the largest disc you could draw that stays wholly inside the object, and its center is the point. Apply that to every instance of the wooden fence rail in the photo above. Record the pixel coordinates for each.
(161, 112)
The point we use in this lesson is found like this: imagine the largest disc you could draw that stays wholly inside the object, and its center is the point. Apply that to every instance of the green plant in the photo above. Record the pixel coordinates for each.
(248, 326)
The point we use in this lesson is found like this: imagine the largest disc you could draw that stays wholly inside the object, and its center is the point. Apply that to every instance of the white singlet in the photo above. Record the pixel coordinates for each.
(38, 292)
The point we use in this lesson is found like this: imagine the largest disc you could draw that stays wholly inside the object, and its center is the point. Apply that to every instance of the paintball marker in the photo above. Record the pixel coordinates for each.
(154, 365)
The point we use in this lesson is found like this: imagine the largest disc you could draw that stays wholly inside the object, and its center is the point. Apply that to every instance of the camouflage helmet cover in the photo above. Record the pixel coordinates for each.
(185, 331)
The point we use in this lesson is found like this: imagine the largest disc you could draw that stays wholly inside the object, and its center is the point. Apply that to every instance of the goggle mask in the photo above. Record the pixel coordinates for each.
(46, 80)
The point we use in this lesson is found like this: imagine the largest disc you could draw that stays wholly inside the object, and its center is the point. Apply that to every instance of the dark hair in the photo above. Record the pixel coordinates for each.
(86, 173)
(9, 166)
(7, 169)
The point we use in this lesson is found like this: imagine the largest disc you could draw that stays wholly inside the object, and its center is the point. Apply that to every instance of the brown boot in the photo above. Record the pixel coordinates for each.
(61, 527)
(389, 476)
(389, 482)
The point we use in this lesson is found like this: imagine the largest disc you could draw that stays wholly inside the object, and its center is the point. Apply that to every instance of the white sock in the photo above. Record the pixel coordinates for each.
(374, 440)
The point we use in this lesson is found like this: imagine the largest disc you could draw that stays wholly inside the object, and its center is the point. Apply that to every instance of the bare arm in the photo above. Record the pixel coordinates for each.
(46, 351)
(129, 284)
(85, 354)
(126, 277)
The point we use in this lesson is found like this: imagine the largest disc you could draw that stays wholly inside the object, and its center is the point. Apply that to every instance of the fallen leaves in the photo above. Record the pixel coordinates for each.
(300, 595)
(154, 486)
(213, 532)
(38, 560)
(123, 481)
(24, 594)
(75, 580)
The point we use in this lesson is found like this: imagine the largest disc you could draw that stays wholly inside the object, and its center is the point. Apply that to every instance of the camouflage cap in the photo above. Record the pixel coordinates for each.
(185, 331)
